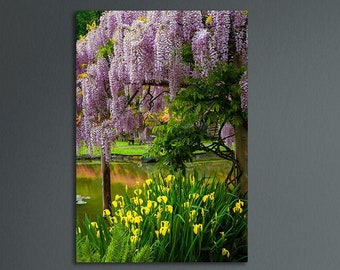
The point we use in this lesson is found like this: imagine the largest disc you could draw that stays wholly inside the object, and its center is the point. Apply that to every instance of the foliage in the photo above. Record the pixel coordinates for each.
(187, 54)
(216, 100)
(106, 49)
(85, 18)
(175, 143)
(180, 218)
(99, 244)
(85, 252)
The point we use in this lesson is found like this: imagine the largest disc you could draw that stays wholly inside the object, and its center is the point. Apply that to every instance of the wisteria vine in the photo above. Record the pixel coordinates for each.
(132, 59)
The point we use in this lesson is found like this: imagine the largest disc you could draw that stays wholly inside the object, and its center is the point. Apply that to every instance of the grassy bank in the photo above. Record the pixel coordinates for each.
(119, 148)
(125, 148)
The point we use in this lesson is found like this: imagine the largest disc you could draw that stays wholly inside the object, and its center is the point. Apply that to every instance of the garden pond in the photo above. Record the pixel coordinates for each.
(128, 174)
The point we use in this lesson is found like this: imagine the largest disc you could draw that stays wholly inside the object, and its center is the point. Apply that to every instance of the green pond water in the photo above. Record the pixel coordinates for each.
(89, 183)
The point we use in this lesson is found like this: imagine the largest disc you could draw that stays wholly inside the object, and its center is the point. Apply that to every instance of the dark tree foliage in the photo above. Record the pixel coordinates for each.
(214, 100)
(85, 17)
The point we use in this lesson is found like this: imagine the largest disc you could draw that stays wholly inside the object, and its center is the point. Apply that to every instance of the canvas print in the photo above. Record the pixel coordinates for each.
(161, 136)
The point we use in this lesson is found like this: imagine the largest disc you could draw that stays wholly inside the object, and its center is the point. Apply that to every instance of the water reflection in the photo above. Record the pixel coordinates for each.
(88, 182)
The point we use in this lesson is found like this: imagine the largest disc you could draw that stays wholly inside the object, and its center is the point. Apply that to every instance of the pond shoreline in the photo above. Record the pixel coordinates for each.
(120, 157)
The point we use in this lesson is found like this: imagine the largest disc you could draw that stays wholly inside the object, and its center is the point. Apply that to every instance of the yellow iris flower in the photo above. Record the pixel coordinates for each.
(197, 228)
(165, 189)
(192, 179)
(117, 197)
(158, 214)
(148, 181)
(192, 215)
(137, 201)
(133, 239)
(121, 204)
(94, 224)
(169, 208)
(162, 199)
(151, 203)
(137, 219)
(165, 227)
(194, 196)
(163, 230)
(238, 206)
(145, 210)
(186, 204)
(138, 191)
(106, 212)
(169, 178)
(205, 198)
(120, 212)
(225, 252)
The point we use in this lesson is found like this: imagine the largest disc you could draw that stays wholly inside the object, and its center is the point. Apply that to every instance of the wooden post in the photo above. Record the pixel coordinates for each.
(106, 183)
(241, 149)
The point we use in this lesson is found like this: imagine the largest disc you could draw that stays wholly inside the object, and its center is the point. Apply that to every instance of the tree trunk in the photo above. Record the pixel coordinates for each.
(241, 149)
(106, 184)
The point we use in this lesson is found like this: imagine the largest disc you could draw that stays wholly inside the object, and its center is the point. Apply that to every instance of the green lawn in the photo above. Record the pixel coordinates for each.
(119, 148)
(124, 148)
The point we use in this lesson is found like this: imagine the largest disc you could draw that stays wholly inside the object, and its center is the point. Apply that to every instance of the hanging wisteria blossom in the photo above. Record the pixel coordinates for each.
(128, 50)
